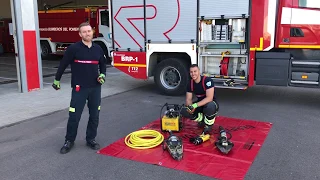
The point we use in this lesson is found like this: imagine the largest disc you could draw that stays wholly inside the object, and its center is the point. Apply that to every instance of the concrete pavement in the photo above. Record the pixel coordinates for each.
(30, 150)
(16, 107)
(8, 69)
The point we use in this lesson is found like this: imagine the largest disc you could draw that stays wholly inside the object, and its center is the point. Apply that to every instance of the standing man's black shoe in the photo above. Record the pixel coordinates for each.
(93, 145)
(66, 147)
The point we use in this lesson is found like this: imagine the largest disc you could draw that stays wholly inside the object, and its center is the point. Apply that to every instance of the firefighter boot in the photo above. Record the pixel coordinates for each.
(66, 147)
(207, 129)
(209, 121)
(93, 145)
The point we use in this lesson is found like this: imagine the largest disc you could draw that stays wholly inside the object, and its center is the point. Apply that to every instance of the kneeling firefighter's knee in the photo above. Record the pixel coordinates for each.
(211, 110)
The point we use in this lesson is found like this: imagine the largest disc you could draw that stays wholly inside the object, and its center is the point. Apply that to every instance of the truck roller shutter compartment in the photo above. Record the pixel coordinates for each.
(216, 8)
(175, 20)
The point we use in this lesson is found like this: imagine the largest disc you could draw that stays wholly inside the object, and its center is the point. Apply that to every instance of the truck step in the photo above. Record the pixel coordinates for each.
(305, 82)
(224, 78)
(219, 55)
(304, 73)
(311, 63)
(240, 84)
(236, 86)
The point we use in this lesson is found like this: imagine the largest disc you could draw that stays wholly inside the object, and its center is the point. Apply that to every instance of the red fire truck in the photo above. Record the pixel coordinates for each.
(238, 44)
(59, 28)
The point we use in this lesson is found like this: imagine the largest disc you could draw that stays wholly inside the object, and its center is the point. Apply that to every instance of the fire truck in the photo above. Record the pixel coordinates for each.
(58, 28)
(239, 44)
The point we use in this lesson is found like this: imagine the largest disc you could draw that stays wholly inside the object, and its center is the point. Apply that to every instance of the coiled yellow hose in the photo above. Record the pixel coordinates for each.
(136, 139)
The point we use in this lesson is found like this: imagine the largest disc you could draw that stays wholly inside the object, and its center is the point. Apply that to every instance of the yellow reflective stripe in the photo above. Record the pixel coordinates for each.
(199, 117)
(99, 108)
(71, 109)
(260, 48)
(127, 65)
(209, 122)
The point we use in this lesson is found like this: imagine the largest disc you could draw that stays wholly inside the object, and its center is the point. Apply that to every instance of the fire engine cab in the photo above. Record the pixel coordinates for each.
(239, 44)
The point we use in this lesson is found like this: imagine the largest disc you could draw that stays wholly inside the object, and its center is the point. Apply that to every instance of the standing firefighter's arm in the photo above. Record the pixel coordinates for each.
(66, 60)
(102, 67)
(102, 63)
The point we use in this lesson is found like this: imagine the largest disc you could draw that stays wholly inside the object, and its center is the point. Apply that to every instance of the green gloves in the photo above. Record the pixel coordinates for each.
(192, 108)
(56, 85)
(101, 78)
(195, 105)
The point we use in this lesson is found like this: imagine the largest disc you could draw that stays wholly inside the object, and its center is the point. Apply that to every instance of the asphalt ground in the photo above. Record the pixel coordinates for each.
(30, 150)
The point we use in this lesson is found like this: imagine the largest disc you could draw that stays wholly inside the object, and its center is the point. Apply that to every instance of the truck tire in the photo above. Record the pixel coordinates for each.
(45, 50)
(171, 76)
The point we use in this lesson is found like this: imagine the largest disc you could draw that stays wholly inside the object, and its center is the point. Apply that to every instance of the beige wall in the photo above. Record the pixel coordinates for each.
(5, 10)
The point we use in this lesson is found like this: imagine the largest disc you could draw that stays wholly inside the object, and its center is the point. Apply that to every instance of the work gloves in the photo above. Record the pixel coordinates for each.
(192, 108)
(101, 79)
(56, 85)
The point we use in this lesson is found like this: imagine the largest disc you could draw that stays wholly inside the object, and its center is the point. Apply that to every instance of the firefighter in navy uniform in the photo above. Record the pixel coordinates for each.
(88, 68)
(205, 108)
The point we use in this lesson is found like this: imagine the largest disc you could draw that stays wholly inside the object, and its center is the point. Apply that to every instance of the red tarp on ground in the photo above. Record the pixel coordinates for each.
(205, 159)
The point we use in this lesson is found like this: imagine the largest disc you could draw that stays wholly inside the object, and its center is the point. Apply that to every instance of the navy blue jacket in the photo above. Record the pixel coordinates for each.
(86, 64)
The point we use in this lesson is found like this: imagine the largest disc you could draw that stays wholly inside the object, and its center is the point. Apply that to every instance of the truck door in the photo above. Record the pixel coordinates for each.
(304, 23)
(301, 30)
(104, 23)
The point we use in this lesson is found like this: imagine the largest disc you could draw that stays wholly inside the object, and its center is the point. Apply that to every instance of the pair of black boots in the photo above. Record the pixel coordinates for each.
(67, 146)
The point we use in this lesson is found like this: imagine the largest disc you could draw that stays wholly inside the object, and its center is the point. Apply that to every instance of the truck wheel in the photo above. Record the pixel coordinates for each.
(105, 50)
(171, 76)
(45, 50)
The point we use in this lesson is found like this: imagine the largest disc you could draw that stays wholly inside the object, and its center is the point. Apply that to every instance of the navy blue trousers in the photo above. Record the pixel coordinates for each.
(91, 96)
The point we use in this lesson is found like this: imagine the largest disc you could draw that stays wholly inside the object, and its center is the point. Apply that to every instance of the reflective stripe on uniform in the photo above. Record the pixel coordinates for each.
(199, 118)
(208, 121)
(71, 109)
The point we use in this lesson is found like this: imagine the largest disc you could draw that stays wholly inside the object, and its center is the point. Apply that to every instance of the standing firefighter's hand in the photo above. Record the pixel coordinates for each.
(56, 85)
(101, 79)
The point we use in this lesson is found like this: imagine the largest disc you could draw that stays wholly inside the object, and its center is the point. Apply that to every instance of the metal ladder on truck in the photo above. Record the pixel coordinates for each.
(223, 54)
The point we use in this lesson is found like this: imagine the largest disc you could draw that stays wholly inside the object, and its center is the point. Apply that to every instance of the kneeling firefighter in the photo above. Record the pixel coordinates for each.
(205, 109)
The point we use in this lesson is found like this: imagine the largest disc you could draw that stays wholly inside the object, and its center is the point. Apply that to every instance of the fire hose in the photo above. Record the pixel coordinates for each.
(144, 139)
